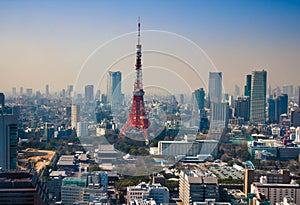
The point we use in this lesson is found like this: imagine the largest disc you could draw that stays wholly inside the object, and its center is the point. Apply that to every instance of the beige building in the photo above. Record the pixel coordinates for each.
(75, 115)
(250, 176)
(277, 192)
(195, 186)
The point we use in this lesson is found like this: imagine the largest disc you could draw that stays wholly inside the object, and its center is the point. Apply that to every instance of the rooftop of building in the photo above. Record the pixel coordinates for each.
(58, 173)
(258, 184)
(271, 172)
(197, 172)
(18, 179)
(236, 193)
(71, 181)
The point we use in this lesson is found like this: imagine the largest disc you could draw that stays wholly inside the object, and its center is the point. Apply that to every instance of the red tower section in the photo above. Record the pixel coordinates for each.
(138, 116)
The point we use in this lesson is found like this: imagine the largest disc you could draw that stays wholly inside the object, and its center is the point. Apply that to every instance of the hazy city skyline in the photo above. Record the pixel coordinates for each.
(47, 42)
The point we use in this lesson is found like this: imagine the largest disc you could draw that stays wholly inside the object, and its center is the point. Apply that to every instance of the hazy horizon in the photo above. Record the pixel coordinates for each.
(47, 42)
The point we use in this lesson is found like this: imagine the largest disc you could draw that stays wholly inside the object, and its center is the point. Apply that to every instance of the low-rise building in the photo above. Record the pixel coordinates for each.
(273, 177)
(144, 194)
(276, 192)
(89, 188)
(188, 148)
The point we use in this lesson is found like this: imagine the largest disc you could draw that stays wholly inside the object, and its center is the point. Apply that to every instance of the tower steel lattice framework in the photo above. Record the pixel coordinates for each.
(138, 116)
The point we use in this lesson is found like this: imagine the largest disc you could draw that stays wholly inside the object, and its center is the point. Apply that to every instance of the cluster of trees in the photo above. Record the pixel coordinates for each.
(230, 180)
(127, 145)
(60, 145)
(238, 152)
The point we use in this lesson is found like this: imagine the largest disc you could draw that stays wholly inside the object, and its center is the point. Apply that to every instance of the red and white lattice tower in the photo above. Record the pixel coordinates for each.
(138, 116)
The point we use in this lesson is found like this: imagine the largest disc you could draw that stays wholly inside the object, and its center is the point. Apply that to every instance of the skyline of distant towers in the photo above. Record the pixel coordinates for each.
(114, 88)
(215, 87)
(258, 96)
(138, 116)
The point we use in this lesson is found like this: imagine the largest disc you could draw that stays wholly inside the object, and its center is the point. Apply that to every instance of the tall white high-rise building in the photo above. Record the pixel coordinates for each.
(258, 97)
(8, 141)
(75, 115)
(215, 87)
(114, 88)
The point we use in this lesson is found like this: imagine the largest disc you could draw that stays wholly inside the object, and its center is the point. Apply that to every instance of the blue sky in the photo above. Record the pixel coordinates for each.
(47, 41)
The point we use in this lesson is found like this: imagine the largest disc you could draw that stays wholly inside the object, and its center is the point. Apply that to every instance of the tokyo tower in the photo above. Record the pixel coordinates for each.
(138, 117)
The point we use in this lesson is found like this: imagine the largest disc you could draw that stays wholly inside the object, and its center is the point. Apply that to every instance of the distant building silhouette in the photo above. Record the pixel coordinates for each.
(47, 90)
(271, 110)
(89, 93)
(281, 106)
(237, 91)
(2, 99)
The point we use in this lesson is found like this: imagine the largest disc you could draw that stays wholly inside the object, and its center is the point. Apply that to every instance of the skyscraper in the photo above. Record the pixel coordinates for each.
(237, 91)
(215, 87)
(29, 92)
(247, 91)
(75, 115)
(69, 90)
(296, 118)
(281, 106)
(8, 141)
(242, 107)
(289, 90)
(47, 90)
(2, 99)
(270, 91)
(271, 110)
(21, 91)
(258, 97)
(199, 97)
(89, 93)
(14, 91)
(114, 91)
